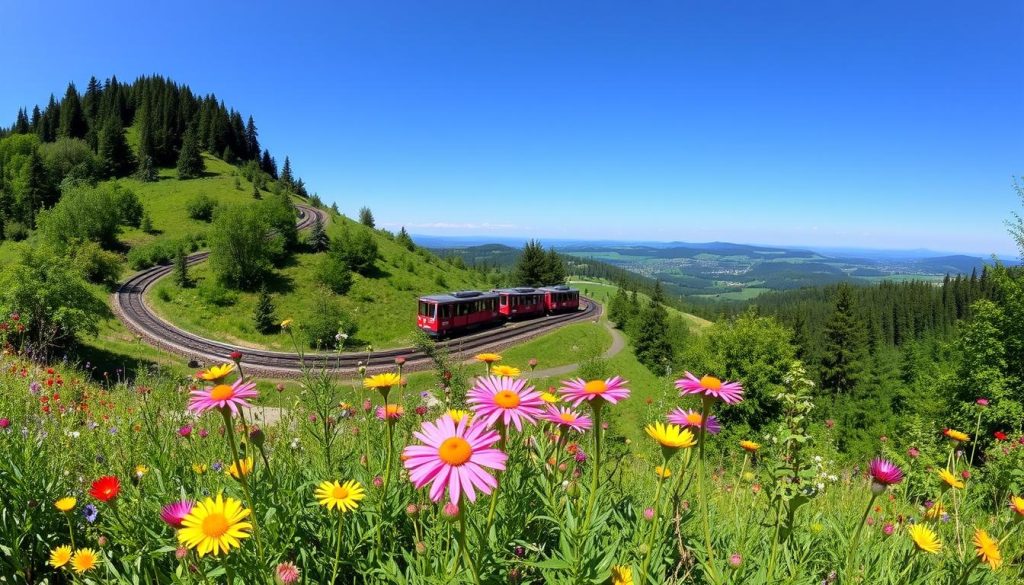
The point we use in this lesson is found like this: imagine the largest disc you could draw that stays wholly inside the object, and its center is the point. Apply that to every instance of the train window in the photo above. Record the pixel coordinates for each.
(427, 310)
(446, 311)
(504, 300)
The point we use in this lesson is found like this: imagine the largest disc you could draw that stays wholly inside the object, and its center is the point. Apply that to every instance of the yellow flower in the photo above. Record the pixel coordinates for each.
(343, 497)
(382, 381)
(671, 436)
(548, 397)
(488, 358)
(987, 549)
(287, 323)
(950, 479)
(505, 371)
(217, 373)
(60, 556)
(663, 472)
(457, 415)
(622, 575)
(240, 468)
(85, 559)
(199, 468)
(66, 504)
(1017, 505)
(215, 526)
(956, 435)
(924, 538)
(750, 446)
(141, 470)
(934, 513)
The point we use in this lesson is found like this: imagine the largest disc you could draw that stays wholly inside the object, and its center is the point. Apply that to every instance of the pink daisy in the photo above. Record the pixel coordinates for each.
(507, 399)
(611, 390)
(692, 418)
(729, 392)
(223, 397)
(454, 456)
(391, 412)
(567, 418)
(885, 472)
(174, 513)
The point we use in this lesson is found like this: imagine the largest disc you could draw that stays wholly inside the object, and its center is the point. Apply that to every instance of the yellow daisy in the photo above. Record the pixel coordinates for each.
(924, 538)
(85, 559)
(1017, 505)
(287, 323)
(987, 549)
(750, 446)
(382, 381)
(622, 575)
(457, 415)
(663, 472)
(65, 504)
(505, 371)
(950, 479)
(488, 358)
(240, 468)
(217, 373)
(671, 437)
(956, 435)
(934, 514)
(548, 397)
(59, 556)
(199, 468)
(343, 497)
(215, 526)
(141, 470)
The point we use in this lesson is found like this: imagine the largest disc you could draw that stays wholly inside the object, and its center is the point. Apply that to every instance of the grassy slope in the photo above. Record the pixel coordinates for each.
(603, 292)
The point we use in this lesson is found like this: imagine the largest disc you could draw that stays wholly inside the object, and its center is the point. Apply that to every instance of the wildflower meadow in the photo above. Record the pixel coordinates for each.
(166, 480)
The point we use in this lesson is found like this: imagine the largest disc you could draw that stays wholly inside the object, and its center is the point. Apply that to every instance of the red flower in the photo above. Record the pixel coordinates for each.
(999, 435)
(235, 356)
(105, 488)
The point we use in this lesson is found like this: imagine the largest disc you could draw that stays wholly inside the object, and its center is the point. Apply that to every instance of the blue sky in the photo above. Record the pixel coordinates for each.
(874, 124)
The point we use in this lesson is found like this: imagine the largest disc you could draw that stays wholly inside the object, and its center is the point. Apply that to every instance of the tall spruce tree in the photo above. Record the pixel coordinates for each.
(72, 119)
(263, 316)
(181, 277)
(619, 308)
(366, 217)
(318, 239)
(190, 160)
(845, 345)
(286, 173)
(650, 334)
(555, 272)
(531, 267)
(252, 140)
(405, 240)
(115, 156)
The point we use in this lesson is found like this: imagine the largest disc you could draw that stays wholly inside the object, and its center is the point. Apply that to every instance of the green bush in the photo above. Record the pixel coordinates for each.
(201, 207)
(324, 322)
(332, 272)
(97, 265)
(215, 293)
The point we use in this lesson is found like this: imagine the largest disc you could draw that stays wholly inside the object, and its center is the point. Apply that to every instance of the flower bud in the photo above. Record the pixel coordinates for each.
(451, 511)
(735, 560)
(257, 437)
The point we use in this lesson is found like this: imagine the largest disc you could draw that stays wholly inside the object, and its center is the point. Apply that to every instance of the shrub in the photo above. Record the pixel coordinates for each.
(16, 231)
(244, 245)
(215, 293)
(332, 272)
(201, 207)
(324, 322)
(96, 264)
(129, 208)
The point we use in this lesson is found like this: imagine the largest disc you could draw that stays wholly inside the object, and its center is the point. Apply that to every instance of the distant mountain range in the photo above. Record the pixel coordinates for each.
(731, 271)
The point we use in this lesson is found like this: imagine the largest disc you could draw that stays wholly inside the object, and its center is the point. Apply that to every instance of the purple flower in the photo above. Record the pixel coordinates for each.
(90, 512)
(883, 474)
(217, 466)
(35, 388)
(174, 513)
(4, 423)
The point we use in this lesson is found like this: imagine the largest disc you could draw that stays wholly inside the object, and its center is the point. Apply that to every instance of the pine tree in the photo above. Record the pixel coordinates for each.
(36, 192)
(190, 161)
(21, 125)
(366, 217)
(619, 308)
(286, 173)
(181, 277)
(845, 345)
(318, 239)
(146, 170)
(650, 334)
(256, 191)
(555, 272)
(404, 239)
(115, 156)
(267, 164)
(252, 140)
(531, 267)
(146, 225)
(263, 317)
(72, 120)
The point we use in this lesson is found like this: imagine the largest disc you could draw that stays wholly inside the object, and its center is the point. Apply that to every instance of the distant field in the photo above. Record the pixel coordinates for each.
(742, 295)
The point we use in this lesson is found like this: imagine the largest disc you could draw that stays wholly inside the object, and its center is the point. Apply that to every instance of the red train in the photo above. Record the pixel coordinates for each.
(445, 314)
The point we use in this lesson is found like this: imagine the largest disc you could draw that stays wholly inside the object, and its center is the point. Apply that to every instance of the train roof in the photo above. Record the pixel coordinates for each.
(521, 290)
(559, 288)
(462, 295)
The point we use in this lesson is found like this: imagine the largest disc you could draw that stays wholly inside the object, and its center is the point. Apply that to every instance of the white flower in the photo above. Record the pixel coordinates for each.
(817, 458)
(821, 486)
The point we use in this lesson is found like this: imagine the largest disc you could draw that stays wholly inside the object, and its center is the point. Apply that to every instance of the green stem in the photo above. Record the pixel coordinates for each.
(856, 539)
(337, 547)
(244, 480)
(391, 448)
(494, 495)
(712, 570)
(775, 544)
(974, 443)
(596, 404)
(71, 532)
(654, 526)
(462, 544)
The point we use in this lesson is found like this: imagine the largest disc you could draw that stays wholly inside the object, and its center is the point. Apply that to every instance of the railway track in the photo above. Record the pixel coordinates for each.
(130, 306)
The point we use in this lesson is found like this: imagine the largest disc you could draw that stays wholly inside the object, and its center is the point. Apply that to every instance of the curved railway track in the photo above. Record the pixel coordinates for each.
(130, 306)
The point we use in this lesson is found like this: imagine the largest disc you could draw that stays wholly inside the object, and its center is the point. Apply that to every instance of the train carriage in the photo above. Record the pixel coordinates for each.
(442, 315)
(560, 299)
(519, 303)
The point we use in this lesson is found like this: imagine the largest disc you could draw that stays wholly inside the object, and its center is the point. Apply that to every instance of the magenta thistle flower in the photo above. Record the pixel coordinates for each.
(567, 418)
(454, 457)
(712, 387)
(174, 513)
(506, 399)
(595, 391)
(223, 397)
(692, 418)
(884, 473)
(287, 573)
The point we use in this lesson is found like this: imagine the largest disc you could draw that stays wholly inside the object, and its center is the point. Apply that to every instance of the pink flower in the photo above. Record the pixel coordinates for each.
(185, 431)
(888, 528)
(451, 510)
(506, 399)
(649, 513)
(884, 473)
(567, 418)
(400, 360)
(174, 513)
(5, 422)
(735, 560)
(597, 392)
(223, 397)
(287, 573)
(391, 413)
(235, 356)
(729, 392)
(913, 452)
(982, 401)
(692, 418)
(454, 457)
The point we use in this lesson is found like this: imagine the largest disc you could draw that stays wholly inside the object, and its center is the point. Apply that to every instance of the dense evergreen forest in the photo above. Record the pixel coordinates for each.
(82, 137)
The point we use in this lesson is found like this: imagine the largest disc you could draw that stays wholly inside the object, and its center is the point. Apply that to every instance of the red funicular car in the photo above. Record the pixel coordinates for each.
(441, 315)
(520, 302)
(561, 298)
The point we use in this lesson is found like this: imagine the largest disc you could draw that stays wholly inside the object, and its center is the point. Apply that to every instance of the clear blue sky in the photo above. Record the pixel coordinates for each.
(876, 124)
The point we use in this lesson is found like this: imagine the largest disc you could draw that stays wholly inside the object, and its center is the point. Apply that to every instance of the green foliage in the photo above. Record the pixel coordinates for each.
(54, 302)
(201, 207)
(244, 246)
(113, 153)
(263, 317)
(325, 322)
(181, 277)
(146, 225)
(190, 159)
(405, 240)
(332, 271)
(620, 309)
(318, 240)
(845, 346)
(69, 157)
(128, 206)
(366, 217)
(96, 264)
(359, 249)
(650, 338)
(535, 267)
(87, 214)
